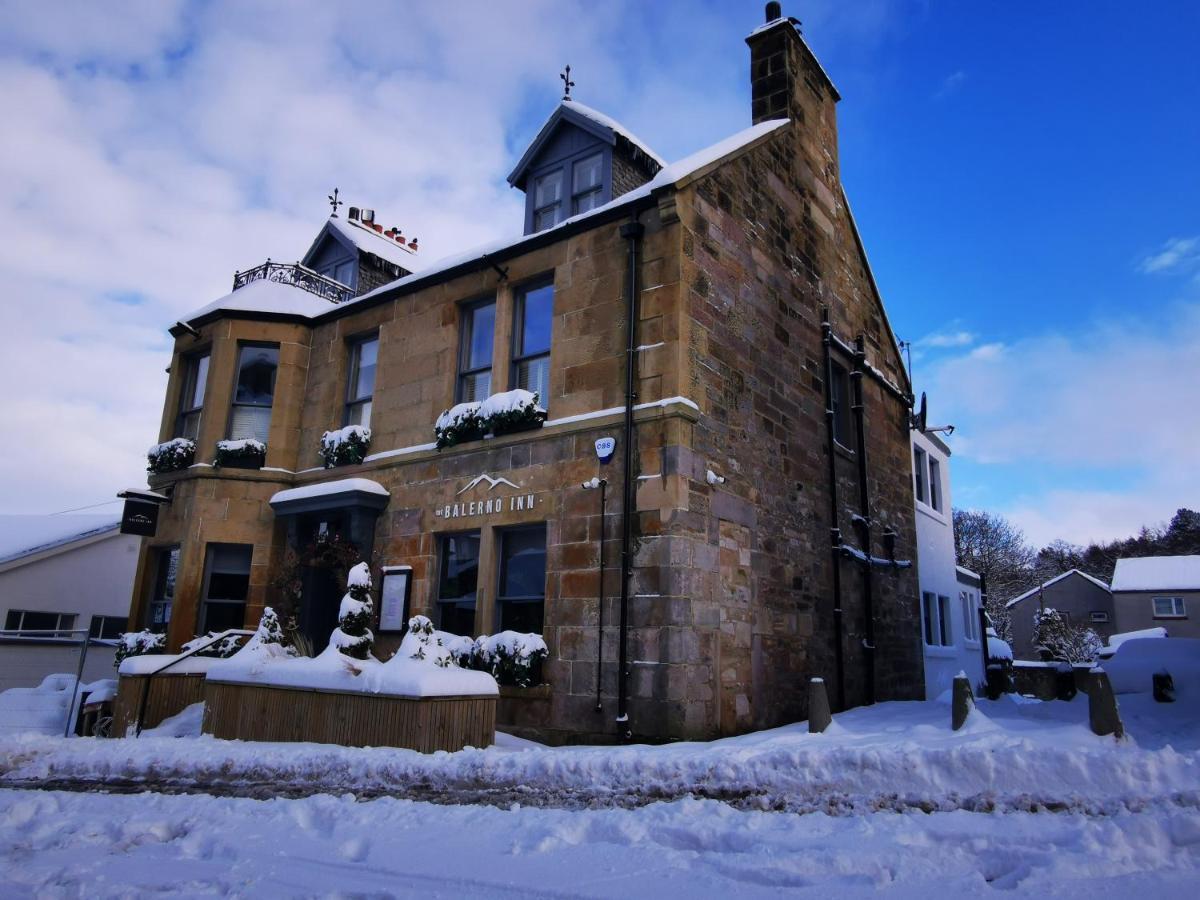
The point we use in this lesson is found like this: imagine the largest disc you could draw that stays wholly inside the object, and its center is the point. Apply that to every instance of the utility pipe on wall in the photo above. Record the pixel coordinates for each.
(835, 533)
(864, 512)
(602, 484)
(632, 231)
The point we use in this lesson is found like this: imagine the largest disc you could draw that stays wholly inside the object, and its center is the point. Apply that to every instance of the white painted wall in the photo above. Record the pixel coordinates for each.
(95, 578)
(936, 573)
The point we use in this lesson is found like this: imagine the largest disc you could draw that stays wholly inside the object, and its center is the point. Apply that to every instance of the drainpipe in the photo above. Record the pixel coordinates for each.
(632, 231)
(835, 533)
(864, 512)
(602, 484)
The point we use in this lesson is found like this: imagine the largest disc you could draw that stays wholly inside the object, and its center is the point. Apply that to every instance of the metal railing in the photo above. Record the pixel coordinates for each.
(229, 632)
(55, 636)
(296, 275)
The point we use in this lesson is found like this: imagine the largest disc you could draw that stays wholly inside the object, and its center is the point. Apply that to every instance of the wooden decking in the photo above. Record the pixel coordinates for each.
(169, 694)
(252, 712)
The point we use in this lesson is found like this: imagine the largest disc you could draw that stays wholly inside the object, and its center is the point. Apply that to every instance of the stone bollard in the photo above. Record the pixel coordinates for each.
(963, 701)
(1103, 714)
(818, 706)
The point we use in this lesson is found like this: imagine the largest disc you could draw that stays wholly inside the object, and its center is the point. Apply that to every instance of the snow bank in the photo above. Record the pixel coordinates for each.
(998, 648)
(152, 662)
(1117, 640)
(43, 709)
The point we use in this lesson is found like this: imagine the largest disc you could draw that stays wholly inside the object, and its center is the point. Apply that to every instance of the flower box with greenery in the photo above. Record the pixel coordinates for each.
(513, 659)
(170, 456)
(512, 412)
(458, 425)
(246, 453)
(345, 447)
(222, 649)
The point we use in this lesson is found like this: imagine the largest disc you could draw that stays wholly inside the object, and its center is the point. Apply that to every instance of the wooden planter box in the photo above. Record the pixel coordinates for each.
(256, 712)
(169, 695)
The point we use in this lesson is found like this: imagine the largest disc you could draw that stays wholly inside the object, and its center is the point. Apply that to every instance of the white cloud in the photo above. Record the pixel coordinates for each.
(1109, 405)
(950, 84)
(1177, 254)
(945, 339)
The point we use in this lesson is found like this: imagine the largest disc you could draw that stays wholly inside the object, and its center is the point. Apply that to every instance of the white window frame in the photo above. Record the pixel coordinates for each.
(1098, 616)
(63, 627)
(970, 615)
(1179, 608)
(936, 631)
(921, 475)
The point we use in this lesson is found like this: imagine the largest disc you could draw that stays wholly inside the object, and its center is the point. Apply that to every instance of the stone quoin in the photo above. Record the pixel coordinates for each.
(760, 350)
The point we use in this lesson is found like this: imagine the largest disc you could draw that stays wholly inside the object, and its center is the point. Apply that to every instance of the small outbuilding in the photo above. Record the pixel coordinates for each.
(1158, 591)
(1081, 598)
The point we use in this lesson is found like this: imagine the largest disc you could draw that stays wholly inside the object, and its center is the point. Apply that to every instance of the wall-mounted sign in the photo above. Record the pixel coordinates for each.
(605, 447)
(487, 505)
(139, 517)
(394, 596)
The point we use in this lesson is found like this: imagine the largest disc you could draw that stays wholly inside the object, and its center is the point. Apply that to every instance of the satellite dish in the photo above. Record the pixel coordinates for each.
(921, 416)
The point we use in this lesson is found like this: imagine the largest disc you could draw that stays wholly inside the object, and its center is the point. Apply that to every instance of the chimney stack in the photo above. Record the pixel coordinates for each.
(786, 81)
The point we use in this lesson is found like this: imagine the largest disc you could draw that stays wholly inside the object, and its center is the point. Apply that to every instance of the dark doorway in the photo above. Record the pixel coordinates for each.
(322, 575)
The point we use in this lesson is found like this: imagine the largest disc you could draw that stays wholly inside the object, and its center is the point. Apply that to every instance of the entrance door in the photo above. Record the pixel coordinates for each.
(323, 582)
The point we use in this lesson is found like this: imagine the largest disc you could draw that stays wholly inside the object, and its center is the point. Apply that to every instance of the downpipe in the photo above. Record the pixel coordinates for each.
(835, 533)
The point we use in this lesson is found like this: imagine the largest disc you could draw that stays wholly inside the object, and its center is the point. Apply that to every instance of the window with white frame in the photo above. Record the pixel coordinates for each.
(935, 484)
(1099, 616)
(970, 615)
(1169, 608)
(158, 610)
(226, 585)
(475, 351)
(360, 382)
(935, 610)
(38, 624)
(587, 184)
(547, 200)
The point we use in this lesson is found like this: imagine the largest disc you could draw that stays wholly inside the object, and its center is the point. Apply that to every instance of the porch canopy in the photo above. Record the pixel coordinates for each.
(361, 493)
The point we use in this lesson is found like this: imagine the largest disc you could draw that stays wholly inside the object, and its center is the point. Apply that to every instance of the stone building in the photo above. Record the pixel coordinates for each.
(715, 316)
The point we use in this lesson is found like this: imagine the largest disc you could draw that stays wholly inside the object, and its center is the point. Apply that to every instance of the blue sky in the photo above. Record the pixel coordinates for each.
(1025, 181)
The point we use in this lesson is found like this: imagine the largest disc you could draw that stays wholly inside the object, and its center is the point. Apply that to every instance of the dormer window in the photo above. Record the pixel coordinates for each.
(547, 200)
(588, 188)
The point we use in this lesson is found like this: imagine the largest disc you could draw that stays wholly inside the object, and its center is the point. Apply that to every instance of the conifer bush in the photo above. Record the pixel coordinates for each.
(353, 635)
(139, 643)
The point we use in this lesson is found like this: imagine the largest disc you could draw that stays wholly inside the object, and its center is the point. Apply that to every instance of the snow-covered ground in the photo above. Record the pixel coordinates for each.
(890, 799)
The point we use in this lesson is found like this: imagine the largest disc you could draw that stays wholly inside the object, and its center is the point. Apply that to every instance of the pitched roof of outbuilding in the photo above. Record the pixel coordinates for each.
(25, 535)
(1055, 580)
(1157, 573)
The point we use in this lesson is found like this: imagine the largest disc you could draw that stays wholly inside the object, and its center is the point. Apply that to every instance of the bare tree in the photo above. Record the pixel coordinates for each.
(996, 549)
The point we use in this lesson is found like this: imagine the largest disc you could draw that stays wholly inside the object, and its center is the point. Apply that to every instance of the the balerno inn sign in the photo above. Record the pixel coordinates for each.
(462, 508)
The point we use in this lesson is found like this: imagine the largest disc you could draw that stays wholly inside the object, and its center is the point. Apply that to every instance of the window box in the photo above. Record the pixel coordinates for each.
(458, 425)
(246, 453)
(170, 456)
(345, 447)
(512, 412)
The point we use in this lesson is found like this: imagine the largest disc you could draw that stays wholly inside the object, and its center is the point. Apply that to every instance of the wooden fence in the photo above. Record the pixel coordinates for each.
(169, 694)
(252, 712)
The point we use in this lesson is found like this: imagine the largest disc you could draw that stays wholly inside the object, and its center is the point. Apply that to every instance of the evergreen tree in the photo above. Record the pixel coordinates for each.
(353, 636)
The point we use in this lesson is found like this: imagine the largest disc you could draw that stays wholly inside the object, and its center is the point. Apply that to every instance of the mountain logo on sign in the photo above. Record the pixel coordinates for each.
(491, 482)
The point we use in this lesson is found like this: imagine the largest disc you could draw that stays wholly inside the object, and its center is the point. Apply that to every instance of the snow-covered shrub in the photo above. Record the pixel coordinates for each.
(246, 453)
(509, 657)
(421, 642)
(512, 411)
(222, 649)
(459, 424)
(353, 635)
(345, 447)
(169, 456)
(1063, 640)
(269, 630)
(139, 643)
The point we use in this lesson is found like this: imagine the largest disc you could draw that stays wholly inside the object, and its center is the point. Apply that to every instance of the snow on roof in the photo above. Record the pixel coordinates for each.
(1157, 573)
(328, 488)
(370, 241)
(26, 535)
(1116, 640)
(266, 297)
(1055, 580)
(675, 172)
(787, 20)
(608, 122)
(963, 570)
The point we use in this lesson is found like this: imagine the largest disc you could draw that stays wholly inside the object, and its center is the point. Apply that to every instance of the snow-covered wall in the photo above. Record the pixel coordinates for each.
(937, 574)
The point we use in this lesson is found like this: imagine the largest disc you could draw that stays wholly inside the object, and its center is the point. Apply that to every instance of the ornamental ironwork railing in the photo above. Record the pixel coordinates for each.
(297, 276)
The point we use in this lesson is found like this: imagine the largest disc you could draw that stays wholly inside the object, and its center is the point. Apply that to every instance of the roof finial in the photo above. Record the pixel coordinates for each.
(335, 203)
(567, 83)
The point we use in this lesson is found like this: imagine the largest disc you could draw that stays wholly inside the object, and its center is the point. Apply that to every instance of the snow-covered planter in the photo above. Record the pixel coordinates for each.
(170, 456)
(246, 453)
(510, 657)
(221, 649)
(138, 643)
(345, 447)
(459, 424)
(512, 411)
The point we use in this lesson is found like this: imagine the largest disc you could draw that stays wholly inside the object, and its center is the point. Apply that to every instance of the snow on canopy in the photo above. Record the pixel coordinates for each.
(24, 535)
(328, 488)
(1157, 573)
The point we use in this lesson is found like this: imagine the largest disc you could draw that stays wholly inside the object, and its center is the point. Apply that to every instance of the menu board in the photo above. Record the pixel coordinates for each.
(393, 601)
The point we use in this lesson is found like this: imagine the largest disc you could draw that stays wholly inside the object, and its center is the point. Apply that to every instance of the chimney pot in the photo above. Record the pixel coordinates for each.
(368, 216)
(774, 11)
(352, 213)
(413, 243)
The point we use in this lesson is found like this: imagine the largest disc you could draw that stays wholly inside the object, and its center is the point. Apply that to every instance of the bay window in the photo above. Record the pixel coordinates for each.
(191, 396)
(254, 392)
(226, 584)
(158, 611)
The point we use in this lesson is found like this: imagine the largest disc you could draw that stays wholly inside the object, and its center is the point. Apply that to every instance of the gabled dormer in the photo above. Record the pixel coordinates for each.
(360, 253)
(579, 160)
